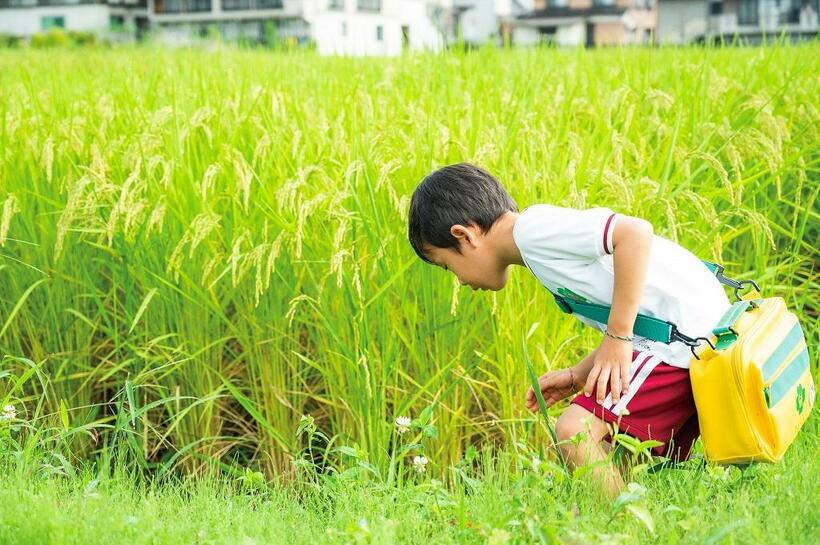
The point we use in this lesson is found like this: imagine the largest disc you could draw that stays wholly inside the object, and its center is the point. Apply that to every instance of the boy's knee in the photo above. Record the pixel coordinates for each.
(568, 426)
(576, 420)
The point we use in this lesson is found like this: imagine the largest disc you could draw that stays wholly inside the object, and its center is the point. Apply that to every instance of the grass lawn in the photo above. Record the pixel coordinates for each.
(693, 503)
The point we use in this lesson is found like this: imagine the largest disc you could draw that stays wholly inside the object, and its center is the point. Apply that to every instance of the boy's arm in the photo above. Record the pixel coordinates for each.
(631, 243)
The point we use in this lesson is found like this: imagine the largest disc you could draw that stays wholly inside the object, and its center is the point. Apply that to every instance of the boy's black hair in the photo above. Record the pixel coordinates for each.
(461, 193)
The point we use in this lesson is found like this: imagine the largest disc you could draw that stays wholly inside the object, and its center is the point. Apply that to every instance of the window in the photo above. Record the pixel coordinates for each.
(369, 5)
(603, 2)
(747, 12)
(236, 5)
(344, 28)
(716, 8)
(790, 11)
(19, 3)
(116, 21)
(181, 6)
(557, 3)
(336, 4)
(379, 33)
(51, 21)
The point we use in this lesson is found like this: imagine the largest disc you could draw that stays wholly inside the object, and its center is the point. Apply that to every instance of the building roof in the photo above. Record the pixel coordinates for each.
(573, 12)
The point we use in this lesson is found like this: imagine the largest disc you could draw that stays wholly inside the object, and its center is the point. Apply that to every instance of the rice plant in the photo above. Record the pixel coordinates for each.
(213, 243)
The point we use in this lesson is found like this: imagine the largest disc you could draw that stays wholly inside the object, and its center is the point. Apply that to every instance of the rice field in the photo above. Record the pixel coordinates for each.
(207, 297)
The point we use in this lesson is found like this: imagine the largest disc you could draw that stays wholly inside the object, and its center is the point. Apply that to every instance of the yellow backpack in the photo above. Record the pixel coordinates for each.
(752, 381)
(753, 388)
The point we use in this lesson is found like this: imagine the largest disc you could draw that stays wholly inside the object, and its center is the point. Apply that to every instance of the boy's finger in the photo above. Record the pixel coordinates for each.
(603, 379)
(590, 383)
(624, 379)
(615, 387)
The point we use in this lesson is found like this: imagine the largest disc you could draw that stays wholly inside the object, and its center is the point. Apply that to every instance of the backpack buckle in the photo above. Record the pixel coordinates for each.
(740, 285)
(692, 343)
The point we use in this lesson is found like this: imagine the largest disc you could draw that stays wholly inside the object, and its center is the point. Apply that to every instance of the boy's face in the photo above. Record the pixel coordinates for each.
(477, 265)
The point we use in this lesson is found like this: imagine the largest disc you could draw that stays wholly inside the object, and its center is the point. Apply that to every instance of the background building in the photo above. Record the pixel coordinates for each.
(27, 17)
(351, 27)
(587, 22)
(685, 21)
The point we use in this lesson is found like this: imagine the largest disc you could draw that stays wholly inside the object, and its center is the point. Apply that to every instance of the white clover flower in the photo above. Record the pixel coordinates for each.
(536, 463)
(403, 424)
(363, 524)
(9, 413)
(420, 464)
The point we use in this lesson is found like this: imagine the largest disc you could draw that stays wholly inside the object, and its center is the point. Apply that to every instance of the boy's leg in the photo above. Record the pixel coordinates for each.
(659, 405)
(589, 450)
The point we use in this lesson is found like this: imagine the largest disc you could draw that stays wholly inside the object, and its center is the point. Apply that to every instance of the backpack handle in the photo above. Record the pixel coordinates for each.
(724, 330)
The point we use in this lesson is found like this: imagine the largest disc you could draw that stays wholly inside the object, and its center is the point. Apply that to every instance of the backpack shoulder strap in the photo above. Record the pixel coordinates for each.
(647, 326)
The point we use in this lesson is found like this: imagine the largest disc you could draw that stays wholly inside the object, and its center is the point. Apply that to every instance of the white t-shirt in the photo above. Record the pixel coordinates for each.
(571, 250)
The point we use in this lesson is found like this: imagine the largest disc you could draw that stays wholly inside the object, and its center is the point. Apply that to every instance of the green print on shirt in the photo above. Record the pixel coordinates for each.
(571, 295)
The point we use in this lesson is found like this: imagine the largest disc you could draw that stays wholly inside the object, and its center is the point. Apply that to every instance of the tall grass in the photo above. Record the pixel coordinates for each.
(216, 241)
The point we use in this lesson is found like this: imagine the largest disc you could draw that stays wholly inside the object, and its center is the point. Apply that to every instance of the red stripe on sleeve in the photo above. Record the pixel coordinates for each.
(606, 232)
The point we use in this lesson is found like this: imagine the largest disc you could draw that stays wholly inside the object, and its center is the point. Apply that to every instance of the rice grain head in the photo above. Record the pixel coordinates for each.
(208, 180)
(723, 176)
(68, 214)
(48, 158)
(10, 207)
(275, 248)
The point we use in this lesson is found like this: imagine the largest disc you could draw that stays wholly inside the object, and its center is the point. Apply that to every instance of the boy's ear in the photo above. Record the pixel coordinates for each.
(463, 234)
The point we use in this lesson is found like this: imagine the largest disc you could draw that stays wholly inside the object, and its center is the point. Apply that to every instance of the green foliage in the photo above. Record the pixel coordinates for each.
(57, 37)
(9, 40)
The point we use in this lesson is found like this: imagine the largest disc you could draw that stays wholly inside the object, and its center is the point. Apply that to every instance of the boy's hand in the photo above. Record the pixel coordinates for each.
(611, 365)
(555, 386)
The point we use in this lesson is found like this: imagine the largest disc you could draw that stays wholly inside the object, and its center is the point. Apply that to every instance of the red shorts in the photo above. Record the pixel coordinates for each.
(659, 405)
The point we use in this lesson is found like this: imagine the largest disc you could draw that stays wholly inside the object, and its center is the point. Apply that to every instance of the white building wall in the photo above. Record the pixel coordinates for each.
(352, 32)
(680, 20)
(571, 35)
(28, 21)
(525, 35)
(479, 23)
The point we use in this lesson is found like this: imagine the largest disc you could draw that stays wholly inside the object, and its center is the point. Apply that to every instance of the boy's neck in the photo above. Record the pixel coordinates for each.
(501, 240)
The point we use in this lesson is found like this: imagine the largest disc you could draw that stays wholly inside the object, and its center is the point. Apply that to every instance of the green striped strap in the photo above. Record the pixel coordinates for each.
(645, 326)
(713, 267)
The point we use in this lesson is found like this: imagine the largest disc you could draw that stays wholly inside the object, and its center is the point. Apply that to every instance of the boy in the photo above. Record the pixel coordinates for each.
(463, 220)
